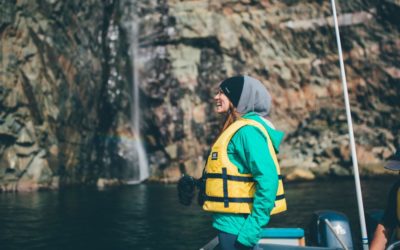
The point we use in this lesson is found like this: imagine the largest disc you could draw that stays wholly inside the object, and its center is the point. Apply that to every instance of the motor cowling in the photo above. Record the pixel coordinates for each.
(327, 226)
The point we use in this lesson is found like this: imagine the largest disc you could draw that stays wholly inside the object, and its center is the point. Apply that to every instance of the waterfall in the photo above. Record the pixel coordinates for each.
(139, 166)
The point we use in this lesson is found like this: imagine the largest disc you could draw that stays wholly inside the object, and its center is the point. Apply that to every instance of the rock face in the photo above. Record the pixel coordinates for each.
(55, 64)
(65, 84)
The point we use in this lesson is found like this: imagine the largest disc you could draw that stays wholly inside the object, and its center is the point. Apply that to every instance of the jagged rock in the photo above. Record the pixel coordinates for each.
(307, 163)
(300, 175)
(365, 156)
(336, 170)
(344, 153)
(10, 127)
(9, 161)
(7, 134)
(376, 169)
(199, 114)
(100, 183)
(322, 169)
(37, 175)
(172, 151)
(289, 162)
(26, 185)
(8, 185)
(171, 174)
(11, 100)
(24, 151)
(184, 67)
(24, 162)
(103, 183)
(25, 138)
(55, 183)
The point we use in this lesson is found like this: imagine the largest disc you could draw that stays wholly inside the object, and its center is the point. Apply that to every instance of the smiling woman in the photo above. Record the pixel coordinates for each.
(222, 102)
(242, 187)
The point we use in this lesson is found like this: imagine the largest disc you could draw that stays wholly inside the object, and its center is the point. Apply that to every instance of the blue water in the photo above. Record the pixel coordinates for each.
(148, 216)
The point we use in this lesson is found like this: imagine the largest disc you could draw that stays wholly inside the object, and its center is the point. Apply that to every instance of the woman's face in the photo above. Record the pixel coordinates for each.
(222, 102)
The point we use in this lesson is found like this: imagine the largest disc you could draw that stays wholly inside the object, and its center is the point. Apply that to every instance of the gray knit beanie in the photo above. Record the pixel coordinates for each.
(247, 94)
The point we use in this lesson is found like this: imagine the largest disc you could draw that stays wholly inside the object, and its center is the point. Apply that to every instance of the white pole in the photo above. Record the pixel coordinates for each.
(351, 134)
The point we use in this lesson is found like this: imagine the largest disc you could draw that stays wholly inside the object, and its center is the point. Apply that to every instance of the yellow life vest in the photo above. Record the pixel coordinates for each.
(227, 190)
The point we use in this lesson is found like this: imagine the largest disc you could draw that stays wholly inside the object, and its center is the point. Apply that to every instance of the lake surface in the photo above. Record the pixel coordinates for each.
(148, 216)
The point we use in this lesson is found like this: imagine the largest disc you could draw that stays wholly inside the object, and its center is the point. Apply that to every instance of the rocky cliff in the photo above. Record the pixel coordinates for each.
(291, 47)
(56, 65)
(66, 83)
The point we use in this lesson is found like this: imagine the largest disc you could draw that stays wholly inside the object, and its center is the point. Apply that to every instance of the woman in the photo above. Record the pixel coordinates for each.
(242, 170)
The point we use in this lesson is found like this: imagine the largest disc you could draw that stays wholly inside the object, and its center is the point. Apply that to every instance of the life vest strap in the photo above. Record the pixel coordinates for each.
(229, 199)
(280, 197)
(225, 186)
(230, 177)
(235, 178)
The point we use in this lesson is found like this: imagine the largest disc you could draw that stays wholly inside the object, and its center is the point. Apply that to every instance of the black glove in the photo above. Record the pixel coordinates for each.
(186, 188)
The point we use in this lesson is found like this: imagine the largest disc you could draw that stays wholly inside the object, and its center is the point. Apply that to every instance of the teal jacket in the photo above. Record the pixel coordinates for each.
(247, 150)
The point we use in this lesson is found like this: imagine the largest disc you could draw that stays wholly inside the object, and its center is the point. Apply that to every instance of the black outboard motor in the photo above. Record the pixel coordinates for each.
(330, 229)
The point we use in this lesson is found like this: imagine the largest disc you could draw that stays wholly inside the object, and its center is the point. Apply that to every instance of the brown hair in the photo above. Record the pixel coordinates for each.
(231, 117)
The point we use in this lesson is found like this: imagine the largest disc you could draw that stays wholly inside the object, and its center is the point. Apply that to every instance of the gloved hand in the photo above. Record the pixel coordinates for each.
(186, 188)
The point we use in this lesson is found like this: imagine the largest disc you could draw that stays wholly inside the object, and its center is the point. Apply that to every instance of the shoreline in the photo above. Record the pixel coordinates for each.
(289, 176)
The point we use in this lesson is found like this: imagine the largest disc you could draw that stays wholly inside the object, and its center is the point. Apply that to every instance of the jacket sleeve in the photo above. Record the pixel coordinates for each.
(253, 150)
(389, 219)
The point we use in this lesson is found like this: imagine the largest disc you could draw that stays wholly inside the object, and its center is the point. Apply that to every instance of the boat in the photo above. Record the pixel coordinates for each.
(328, 230)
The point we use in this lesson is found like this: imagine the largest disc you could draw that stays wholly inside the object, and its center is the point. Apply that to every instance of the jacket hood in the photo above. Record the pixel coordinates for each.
(254, 97)
(275, 135)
